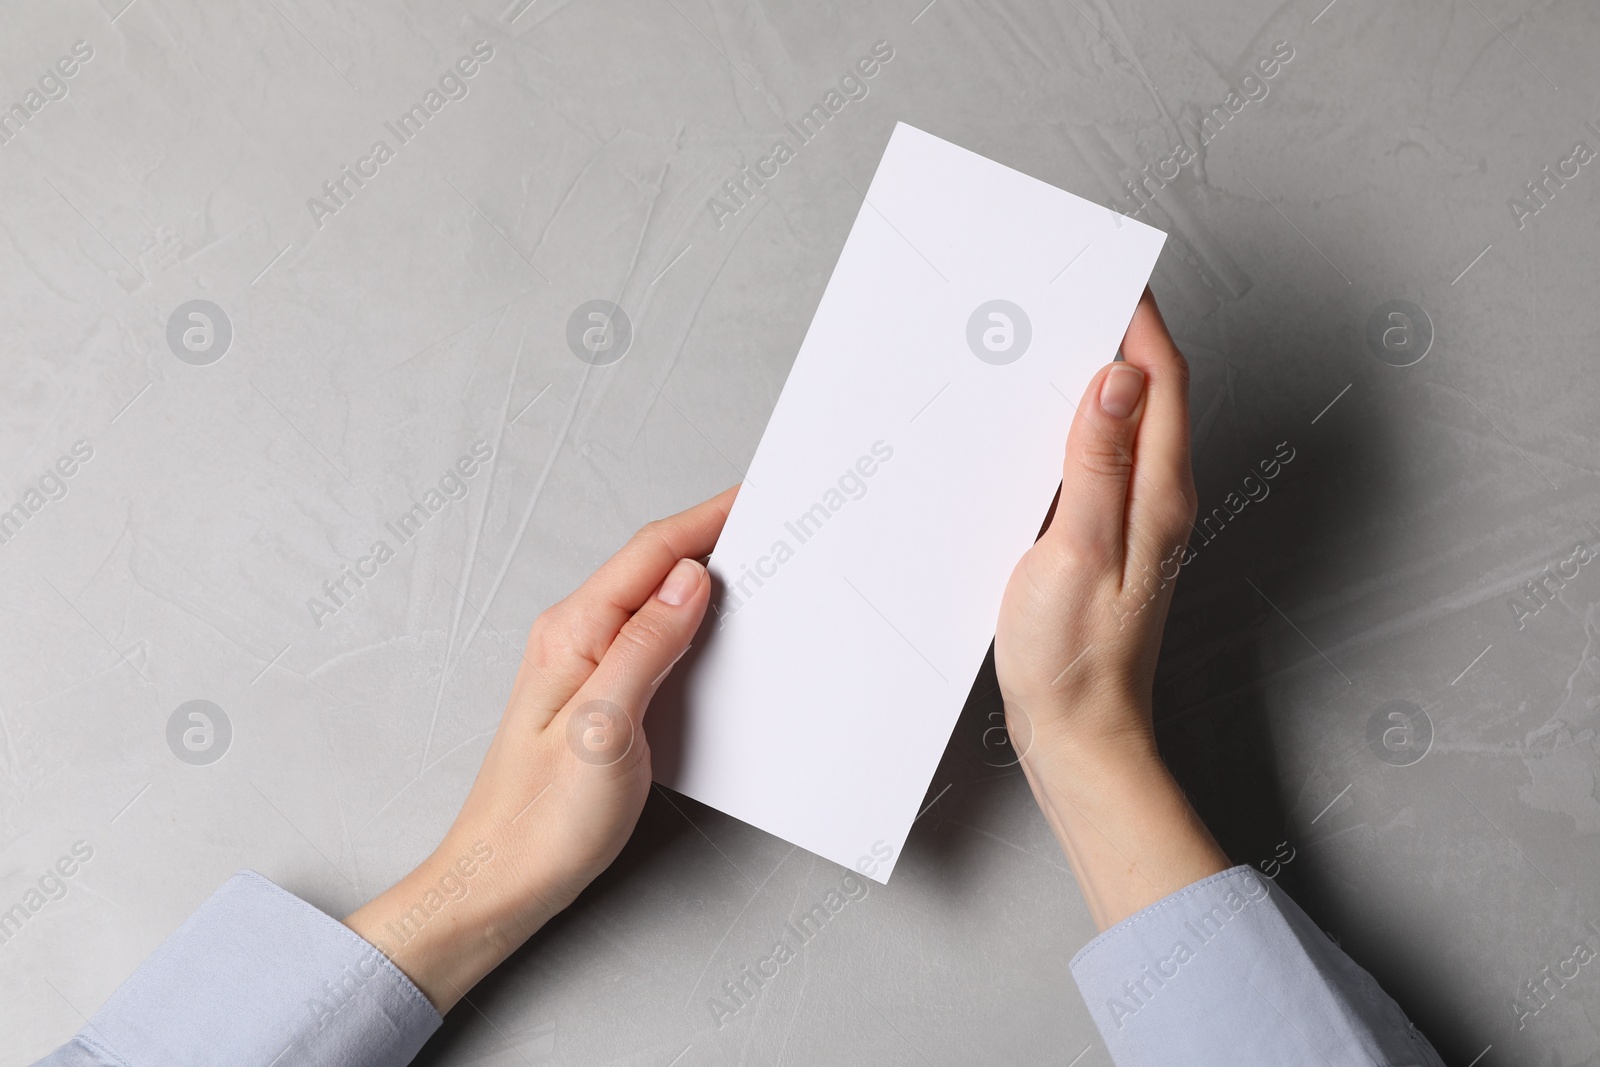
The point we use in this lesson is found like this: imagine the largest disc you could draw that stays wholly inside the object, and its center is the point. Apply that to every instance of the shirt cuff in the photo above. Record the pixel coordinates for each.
(1229, 970)
(257, 975)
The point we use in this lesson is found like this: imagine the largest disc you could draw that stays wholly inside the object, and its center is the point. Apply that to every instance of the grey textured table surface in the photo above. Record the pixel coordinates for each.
(1418, 579)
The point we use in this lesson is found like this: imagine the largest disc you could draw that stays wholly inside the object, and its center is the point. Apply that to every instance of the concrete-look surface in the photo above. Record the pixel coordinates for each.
(1381, 671)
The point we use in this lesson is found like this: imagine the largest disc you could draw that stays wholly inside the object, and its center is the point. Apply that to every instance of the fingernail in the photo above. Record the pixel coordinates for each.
(1119, 393)
(681, 583)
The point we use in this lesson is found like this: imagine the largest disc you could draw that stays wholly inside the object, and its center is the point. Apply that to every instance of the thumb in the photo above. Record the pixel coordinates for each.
(1091, 516)
(641, 654)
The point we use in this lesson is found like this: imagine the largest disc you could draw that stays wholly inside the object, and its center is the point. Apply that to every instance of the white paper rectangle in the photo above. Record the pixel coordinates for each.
(906, 468)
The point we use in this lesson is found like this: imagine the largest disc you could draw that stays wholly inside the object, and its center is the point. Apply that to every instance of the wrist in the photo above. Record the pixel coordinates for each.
(1096, 777)
(451, 920)
(1122, 820)
(1079, 738)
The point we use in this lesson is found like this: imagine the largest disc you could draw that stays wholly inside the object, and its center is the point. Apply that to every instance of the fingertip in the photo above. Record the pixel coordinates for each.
(1149, 344)
(1121, 389)
(681, 583)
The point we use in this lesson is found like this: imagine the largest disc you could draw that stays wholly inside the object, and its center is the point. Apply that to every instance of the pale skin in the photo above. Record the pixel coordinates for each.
(1075, 651)
(1080, 630)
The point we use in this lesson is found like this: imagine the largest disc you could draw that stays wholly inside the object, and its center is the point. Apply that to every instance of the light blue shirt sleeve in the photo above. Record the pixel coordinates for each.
(1227, 971)
(257, 977)
(1231, 971)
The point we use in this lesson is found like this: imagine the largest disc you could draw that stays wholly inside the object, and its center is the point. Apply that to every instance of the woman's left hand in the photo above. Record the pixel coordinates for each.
(566, 776)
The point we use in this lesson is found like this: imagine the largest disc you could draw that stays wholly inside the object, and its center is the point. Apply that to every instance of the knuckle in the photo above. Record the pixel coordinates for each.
(550, 645)
(641, 637)
(1104, 461)
(1074, 560)
(539, 638)
(1079, 558)
(655, 532)
(543, 651)
(1180, 511)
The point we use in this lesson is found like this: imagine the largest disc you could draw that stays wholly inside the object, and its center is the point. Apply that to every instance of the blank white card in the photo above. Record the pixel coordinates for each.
(906, 468)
